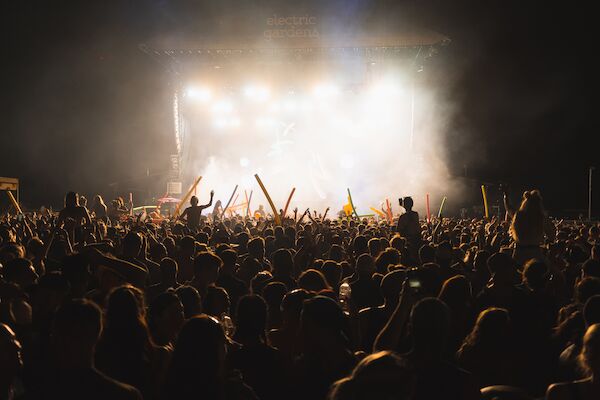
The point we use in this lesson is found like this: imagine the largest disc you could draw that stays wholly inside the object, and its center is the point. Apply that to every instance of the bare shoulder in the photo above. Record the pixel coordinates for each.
(560, 391)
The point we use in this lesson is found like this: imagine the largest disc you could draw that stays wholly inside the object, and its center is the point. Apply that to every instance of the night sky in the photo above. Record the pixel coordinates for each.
(82, 107)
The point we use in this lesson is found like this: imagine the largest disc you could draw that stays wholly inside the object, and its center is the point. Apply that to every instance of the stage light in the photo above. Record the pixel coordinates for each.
(326, 90)
(289, 105)
(257, 93)
(222, 106)
(198, 93)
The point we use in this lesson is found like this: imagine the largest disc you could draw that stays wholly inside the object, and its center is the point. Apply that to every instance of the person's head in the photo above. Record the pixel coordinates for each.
(273, 294)
(389, 256)
(365, 266)
(132, 244)
(360, 245)
(216, 302)
(456, 291)
(10, 353)
(590, 268)
(125, 310)
(283, 263)
(427, 254)
(535, 274)
(256, 248)
(429, 326)
(503, 268)
(229, 258)
(71, 200)
(165, 317)
(198, 363)
(586, 288)
(312, 280)
(76, 329)
(187, 245)
(381, 375)
(491, 328)
(251, 319)
(480, 261)
(407, 203)
(374, 245)
(322, 324)
(194, 201)
(76, 270)
(291, 306)
(190, 298)
(332, 272)
(391, 285)
(589, 359)
(336, 253)
(35, 248)
(168, 271)
(206, 267)
(398, 242)
(20, 271)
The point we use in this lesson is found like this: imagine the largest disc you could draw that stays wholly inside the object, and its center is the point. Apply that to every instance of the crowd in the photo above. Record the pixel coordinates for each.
(101, 304)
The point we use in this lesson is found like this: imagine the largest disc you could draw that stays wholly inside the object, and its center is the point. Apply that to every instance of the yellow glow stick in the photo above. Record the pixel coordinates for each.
(287, 204)
(382, 215)
(485, 201)
(352, 203)
(187, 196)
(14, 202)
(275, 213)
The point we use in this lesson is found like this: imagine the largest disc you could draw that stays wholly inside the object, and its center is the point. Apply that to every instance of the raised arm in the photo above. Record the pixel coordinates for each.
(212, 194)
(390, 335)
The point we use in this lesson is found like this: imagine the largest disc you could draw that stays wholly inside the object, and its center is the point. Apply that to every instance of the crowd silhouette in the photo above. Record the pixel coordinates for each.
(102, 303)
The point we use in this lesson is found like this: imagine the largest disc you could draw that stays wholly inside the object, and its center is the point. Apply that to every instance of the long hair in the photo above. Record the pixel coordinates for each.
(71, 200)
(99, 200)
(197, 366)
(124, 348)
(528, 221)
(489, 330)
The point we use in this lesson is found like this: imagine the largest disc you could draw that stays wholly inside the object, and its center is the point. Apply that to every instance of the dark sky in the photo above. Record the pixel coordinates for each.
(83, 107)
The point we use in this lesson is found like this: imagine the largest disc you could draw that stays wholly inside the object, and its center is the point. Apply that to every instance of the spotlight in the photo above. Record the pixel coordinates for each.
(198, 93)
(326, 90)
(222, 106)
(257, 93)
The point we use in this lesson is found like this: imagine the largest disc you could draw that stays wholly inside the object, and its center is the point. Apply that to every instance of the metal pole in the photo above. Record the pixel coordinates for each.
(590, 194)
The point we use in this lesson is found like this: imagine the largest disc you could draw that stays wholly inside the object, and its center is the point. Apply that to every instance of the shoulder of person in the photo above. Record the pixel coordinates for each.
(563, 390)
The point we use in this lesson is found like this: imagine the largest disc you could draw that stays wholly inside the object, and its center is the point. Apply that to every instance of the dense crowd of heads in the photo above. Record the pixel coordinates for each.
(101, 303)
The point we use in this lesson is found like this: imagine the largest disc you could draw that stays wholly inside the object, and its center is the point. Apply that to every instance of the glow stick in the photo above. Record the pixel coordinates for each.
(233, 206)
(275, 213)
(441, 207)
(14, 202)
(389, 210)
(485, 201)
(287, 204)
(229, 202)
(352, 203)
(427, 207)
(186, 197)
(382, 215)
(249, 200)
(131, 203)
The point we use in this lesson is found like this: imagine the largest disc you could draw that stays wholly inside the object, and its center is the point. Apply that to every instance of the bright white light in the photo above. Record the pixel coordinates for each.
(235, 122)
(347, 161)
(244, 162)
(264, 122)
(220, 123)
(223, 106)
(198, 93)
(257, 93)
(289, 105)
(326, 90)
(386, 89)
(274, 108)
